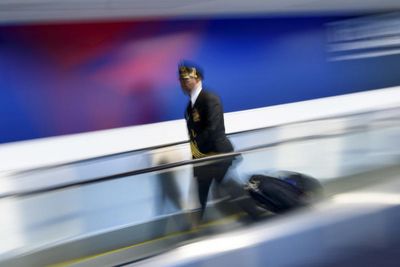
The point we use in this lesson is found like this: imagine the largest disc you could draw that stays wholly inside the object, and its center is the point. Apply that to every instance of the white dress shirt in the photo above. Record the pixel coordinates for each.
(195, 93)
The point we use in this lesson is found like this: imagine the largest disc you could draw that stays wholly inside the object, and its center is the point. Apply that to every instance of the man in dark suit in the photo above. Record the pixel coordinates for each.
(205, 123)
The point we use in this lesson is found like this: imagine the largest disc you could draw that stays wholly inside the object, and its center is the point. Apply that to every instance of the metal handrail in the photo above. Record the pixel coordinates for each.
(349, 130)
(42, 168)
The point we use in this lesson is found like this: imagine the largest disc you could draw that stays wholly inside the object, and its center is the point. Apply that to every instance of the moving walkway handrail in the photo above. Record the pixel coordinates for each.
(23, 193)
(42, 168)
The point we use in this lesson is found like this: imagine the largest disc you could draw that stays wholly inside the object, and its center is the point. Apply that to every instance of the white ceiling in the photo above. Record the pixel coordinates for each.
(12, 11)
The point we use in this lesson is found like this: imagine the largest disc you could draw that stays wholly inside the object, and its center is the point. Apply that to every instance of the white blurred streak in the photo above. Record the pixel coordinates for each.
(218, 245)
(388, 41)
(11, 236)
(60, 149)
(366, 27)
(367, 55)
(57, 150)
(367, 197)
(364, 37)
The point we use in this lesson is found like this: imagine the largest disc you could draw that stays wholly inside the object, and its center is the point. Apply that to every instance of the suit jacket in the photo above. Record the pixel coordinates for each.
(205, 123)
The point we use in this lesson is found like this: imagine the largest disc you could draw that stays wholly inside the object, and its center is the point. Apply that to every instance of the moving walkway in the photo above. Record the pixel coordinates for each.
(124, 208)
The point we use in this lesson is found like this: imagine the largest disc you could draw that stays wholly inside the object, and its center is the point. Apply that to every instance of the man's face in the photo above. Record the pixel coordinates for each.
(188, 84)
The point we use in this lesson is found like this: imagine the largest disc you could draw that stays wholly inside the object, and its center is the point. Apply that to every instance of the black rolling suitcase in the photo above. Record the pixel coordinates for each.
(283, 191)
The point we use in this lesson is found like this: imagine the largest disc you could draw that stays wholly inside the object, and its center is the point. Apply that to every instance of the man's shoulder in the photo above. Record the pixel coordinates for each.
(209, 95)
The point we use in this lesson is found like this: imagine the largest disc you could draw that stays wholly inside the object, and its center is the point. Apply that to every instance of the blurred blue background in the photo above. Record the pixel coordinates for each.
(66, 78)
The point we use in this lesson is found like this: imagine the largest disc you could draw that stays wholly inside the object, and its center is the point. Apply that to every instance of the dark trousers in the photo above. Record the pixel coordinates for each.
(205, 174)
